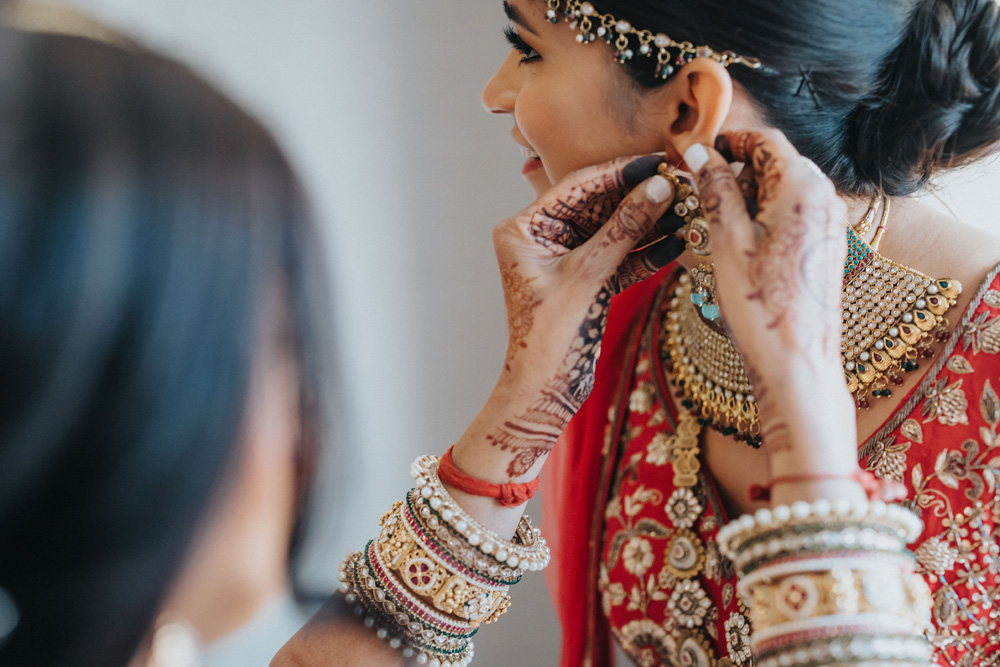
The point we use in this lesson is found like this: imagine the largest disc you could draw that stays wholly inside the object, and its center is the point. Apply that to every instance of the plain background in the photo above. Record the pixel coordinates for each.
(377, 103)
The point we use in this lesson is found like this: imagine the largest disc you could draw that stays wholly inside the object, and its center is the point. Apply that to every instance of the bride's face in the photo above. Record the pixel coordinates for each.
(572, 104)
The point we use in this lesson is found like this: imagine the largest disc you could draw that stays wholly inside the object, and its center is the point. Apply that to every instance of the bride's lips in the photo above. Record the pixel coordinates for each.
(533, 163)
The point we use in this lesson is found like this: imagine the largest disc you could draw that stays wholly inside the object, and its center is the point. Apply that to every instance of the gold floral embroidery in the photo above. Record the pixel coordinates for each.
(659, 449)
(935, 556)
(685, 555)
(637, 556)
(982, 334)
(960, 365)
(612, 594)
(912, 429)
(647, 643)
(946, 403)
(631, 505)
(689, 603)
(683, 508)
(888, 458)
(641, 398)
(694, 651)
(738, 640)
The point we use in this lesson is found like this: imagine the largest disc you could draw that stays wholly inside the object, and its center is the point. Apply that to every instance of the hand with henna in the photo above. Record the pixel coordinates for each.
(561, 261)
(779, 262)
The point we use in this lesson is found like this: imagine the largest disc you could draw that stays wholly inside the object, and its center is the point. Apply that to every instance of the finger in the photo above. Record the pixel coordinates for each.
(668, 224)
(729, 223)
(638, 170)
(747, 179)
(644, 263)
(633, 219)
(575, 208)
(768, 152)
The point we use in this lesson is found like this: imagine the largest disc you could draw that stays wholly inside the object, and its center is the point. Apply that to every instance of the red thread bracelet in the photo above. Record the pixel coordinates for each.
(508, 495)
(875, 488)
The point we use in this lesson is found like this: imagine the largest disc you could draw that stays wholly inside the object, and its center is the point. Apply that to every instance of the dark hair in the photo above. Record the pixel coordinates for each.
(144, 219)
(901, 89)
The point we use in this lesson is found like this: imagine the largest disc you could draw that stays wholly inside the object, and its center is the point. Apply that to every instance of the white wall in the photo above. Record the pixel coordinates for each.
(378, 104)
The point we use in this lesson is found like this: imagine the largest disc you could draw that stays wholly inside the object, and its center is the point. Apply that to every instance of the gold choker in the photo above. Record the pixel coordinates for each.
(891, 317)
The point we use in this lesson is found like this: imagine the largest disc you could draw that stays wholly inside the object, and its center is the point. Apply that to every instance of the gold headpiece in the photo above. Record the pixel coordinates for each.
(592, 24)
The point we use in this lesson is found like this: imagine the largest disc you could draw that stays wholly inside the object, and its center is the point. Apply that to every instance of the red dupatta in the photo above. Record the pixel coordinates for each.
(574, 473)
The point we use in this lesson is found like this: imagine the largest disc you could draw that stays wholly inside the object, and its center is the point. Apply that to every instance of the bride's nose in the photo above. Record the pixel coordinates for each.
(501, 91)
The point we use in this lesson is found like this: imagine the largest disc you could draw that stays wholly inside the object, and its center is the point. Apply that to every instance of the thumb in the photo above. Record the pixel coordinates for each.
(631, 221)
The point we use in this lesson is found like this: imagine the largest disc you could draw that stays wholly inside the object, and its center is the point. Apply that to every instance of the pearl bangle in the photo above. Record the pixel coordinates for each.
(530, 554)
(737, 535)
(882, 651)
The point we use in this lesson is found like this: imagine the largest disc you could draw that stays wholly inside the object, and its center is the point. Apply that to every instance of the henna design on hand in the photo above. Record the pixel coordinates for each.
(763, 171)
(630, 224)
(796, 261)
(521, 305)
(574, 217)
(533, 434)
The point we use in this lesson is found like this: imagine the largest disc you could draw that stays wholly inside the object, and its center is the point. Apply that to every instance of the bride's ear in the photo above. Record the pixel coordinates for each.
(700, 97)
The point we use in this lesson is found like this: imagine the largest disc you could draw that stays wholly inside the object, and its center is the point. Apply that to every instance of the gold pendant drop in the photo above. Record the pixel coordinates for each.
(708, 370)
(892, 315)
(687, 205)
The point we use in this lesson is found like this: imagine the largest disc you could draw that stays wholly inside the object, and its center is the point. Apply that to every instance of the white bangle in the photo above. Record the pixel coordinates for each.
(530, 554)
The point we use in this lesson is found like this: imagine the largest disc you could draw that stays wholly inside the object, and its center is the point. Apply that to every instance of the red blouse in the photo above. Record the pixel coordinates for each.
(636, 557)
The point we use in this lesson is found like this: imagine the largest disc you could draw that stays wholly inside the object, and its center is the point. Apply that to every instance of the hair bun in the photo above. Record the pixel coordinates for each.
(938, 103)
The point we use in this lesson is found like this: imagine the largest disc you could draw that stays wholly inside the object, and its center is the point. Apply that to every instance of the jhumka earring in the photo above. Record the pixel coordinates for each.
(687, 205)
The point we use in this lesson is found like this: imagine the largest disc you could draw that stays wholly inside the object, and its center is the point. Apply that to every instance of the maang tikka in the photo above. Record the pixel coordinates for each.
(670, 54)
(687, 205)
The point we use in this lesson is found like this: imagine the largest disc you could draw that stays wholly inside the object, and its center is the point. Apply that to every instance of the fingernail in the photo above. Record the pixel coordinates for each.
(696, 157)
(659, 189)
(636, 171)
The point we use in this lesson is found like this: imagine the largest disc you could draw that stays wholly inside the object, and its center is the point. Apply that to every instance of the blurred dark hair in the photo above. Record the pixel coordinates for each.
(144, 220)
(901, 89)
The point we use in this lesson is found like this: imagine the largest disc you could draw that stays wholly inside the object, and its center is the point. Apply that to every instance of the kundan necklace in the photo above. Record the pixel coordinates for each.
(891, 317)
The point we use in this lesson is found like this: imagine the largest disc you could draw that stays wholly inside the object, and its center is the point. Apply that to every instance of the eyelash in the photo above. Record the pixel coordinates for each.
(528, 54)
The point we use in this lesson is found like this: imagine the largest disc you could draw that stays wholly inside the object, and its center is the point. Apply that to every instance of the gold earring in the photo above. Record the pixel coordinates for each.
(687, 205)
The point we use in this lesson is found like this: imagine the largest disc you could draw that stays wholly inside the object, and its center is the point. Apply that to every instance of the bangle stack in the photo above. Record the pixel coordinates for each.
(434, 575)
(831, 584)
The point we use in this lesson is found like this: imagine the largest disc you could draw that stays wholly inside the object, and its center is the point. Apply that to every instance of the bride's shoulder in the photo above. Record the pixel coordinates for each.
(939, 245)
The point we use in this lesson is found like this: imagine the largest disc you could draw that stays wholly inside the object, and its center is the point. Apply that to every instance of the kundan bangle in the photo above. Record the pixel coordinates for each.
(435, 577)
(508, 495)
(402, 626)
(827, 587)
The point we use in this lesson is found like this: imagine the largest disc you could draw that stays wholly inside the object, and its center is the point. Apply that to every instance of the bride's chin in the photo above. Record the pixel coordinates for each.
(539, 181)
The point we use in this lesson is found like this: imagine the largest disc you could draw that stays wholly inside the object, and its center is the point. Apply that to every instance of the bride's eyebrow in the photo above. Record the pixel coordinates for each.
(516, 16)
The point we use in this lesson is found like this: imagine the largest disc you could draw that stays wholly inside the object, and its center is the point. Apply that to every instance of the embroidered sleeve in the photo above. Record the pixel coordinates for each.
(947, 452)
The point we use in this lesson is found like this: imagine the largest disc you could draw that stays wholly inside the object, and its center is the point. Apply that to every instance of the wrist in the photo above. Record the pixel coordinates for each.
(808, 419)
(500, 446)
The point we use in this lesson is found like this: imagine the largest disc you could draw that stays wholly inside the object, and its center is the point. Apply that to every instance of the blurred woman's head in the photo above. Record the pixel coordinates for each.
(159, 284)
(881, 95)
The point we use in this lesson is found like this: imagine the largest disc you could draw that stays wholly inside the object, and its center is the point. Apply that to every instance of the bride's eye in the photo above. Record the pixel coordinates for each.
(527, 53)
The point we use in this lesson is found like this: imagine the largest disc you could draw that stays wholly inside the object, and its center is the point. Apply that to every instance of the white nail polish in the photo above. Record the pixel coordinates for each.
(696, 157)
(659, 189)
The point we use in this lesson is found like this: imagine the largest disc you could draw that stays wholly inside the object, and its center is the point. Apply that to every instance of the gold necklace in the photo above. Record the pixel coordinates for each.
(891, 317)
